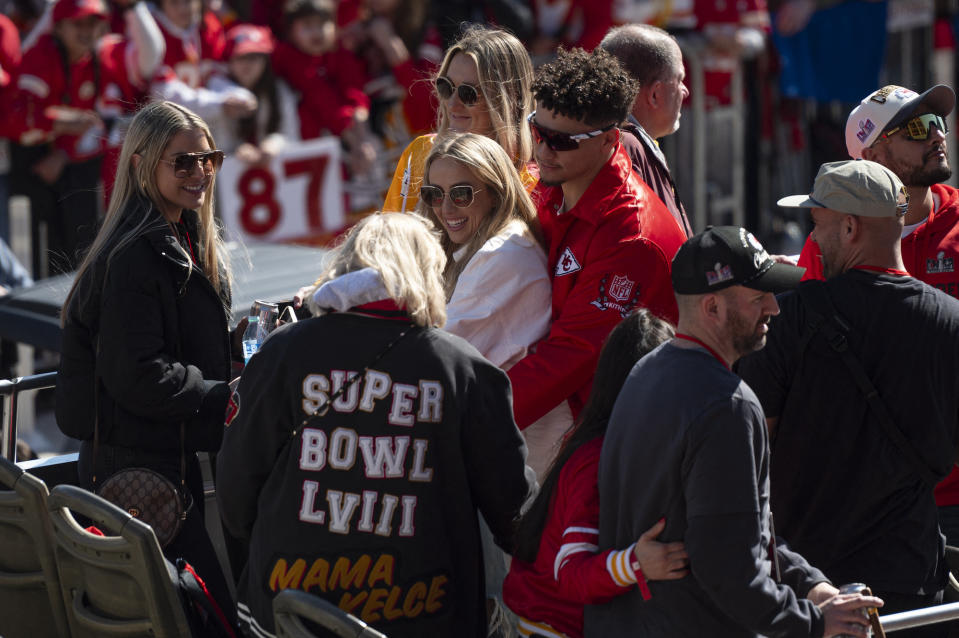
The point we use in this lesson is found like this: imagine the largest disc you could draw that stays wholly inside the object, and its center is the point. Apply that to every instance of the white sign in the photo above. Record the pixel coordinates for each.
(298, 195)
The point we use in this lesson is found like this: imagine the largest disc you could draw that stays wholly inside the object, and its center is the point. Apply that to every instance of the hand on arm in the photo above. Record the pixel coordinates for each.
(657, 560)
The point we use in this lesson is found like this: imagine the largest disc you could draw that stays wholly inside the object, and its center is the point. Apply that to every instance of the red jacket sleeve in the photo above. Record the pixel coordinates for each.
(809, 259)
(568, 354)
(581, 574)
(39, 84)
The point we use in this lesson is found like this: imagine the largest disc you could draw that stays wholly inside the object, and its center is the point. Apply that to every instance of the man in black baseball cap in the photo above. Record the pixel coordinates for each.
(726, 282)
(683, 413)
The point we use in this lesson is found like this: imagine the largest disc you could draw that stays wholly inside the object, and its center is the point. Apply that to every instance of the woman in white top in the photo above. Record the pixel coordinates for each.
(497, 283)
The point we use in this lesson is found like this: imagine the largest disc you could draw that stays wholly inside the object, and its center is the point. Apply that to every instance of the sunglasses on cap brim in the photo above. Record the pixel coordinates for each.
(184, 163)
(558, 141)
(919, 127)
(460, 196)
(467, 93)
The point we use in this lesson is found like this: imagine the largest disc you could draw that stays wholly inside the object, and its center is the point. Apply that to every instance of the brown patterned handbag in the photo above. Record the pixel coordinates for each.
(151, 497)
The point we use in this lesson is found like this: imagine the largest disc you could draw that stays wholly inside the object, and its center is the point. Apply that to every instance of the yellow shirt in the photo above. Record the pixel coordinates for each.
(404, 191)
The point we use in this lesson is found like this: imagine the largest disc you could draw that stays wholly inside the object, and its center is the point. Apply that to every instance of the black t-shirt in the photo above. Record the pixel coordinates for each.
(843, 493)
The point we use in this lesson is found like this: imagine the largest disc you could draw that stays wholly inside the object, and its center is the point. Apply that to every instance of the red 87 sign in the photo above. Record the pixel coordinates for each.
(297, 195)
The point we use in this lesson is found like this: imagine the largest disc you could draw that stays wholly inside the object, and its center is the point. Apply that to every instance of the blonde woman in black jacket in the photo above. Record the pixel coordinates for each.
(146, 350)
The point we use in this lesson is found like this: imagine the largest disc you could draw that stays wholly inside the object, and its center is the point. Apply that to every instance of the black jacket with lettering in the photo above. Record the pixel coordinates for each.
(372, 506)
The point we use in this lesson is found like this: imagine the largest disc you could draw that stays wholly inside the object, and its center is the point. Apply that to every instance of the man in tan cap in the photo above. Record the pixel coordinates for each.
(859, 382)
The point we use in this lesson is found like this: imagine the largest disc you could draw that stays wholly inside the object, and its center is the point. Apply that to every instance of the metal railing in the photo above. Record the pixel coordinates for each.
(10, 390)
(919, 617)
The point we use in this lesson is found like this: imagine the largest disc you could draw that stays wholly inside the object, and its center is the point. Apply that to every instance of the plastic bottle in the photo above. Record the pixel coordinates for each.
(251, 339)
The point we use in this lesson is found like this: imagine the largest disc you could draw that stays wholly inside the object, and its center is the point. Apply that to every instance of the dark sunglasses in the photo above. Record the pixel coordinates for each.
(919, 127)
(184, 163)
(561, 141)
(460, 196)
(467, 93)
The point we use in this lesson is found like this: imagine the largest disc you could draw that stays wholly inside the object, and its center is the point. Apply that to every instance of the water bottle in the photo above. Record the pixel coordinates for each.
(251, 338)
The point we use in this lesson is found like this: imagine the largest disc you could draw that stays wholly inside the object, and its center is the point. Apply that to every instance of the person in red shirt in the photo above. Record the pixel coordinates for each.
(610, 239)
(195, 41)
(195, 54)
(577, 23)
(59, 135)
(9, 63)
(329, 78)
(402, 50)
(556, 568)
(906, 131)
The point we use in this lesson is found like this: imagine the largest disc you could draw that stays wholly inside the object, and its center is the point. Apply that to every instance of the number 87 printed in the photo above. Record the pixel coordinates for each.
(298, 195)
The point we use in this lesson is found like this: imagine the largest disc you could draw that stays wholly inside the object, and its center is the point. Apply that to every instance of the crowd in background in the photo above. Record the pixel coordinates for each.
(262, 73)
(554, 217)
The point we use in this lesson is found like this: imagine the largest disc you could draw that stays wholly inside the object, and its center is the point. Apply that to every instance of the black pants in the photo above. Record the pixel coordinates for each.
(193, 542)
(69, 207)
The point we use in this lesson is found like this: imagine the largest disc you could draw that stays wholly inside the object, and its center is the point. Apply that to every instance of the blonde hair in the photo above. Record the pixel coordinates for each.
(150, 132)
(506, 80)
(488, 163)
(404, 250)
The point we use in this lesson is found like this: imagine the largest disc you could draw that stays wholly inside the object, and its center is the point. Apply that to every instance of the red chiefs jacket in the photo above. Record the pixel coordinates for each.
(569, 570)
(930, 253)
(330, 87)
(607, 255)
(192, 54)
(42, 83)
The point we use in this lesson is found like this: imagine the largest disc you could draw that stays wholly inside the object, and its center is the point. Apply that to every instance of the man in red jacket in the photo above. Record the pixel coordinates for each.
(609, 237)
(906, 132)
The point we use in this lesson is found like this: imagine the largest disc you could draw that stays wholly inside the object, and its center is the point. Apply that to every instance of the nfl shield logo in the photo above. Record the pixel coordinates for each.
(621, 288)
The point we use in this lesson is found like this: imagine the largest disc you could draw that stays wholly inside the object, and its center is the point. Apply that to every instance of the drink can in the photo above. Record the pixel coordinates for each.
(269, 313)
(870, 613)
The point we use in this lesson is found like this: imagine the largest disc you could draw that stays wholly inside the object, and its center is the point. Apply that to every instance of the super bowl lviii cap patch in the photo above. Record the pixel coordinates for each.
(724, 256)
(889, 107)
(854, 187)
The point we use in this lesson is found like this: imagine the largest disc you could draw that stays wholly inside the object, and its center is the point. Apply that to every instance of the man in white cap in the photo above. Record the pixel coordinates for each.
(906, 132)
(859, 383)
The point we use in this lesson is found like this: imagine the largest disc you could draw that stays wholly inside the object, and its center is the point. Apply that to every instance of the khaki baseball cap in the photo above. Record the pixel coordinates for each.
(854, 187)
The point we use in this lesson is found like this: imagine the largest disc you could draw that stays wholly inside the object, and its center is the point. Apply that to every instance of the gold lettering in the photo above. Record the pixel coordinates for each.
(390, 612)
(343, 575)
(382, 571)
(373, 603)
(283, 578)
(433, 603)
(412, 605)
(349, 604)
(317, 576)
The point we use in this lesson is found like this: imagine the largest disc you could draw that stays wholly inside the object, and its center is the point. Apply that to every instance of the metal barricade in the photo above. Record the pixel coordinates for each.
(919, 617)
(707, 153)
(10, 390)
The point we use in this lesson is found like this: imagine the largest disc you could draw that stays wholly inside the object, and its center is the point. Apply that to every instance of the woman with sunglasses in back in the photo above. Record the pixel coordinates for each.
(497, 285)
(146, 352)
(483, 87)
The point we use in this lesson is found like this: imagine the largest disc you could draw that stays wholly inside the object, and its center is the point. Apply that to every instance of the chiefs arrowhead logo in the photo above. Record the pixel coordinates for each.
(567, 264)
(232, 408)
